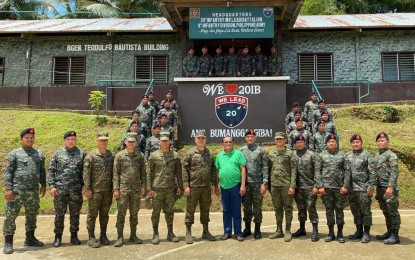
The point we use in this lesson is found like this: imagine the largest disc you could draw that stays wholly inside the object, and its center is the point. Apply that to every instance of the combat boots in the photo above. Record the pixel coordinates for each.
(247, 230)
(358, 234)
(189, 237)
(288, 237)
(156, 239)
(314, 236)
(31, 240)
(278, 233)
(257, 231)
(366, 235)
(340, 237)
(206, 234)
(103, 237)
(92, 242)
(133, 236)
(384, 236)
(393, 239)
(170, 235)
(74, 239)
(8, 244)
(330, 236)
(120, 238)
(58, 240)
(301, 231)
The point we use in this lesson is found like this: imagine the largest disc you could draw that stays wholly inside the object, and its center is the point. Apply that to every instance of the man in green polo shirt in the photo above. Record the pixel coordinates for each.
(232, 177)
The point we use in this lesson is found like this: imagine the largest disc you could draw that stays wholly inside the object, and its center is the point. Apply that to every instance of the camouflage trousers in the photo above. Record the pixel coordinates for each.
(201, 196)
(252, 202)
(282, 203)
(29, 199)
(334, 202)
(128, 200)
(306, 201)
(99, 204)
(389, 207)
(360, 206)
(164, 198)
(65, 199)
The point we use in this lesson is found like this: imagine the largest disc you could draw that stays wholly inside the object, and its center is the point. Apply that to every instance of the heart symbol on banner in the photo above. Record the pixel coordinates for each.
(231, 88)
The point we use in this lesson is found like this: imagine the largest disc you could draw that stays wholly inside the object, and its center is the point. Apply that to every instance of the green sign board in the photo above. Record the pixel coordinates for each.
(231, 22)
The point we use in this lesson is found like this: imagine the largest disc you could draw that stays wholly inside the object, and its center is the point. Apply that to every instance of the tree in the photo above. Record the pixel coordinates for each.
(27, 9)
(377, 6)
(321, 7)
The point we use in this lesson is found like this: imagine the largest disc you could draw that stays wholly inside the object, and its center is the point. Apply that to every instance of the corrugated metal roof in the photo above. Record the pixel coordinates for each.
(85, 25)
(355, 21)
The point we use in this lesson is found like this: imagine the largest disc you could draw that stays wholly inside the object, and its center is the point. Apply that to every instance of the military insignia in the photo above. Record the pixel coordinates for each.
(231, 110)
(194, 13)
(268, 11)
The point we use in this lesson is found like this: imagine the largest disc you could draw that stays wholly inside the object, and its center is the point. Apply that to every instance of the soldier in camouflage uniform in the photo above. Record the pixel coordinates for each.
(153, 143)
(165, 127)
(231, 62)
(260, 62)
(385, 165)
(191, 64)
(141, 140)
(219, 68)
(97, 177)
(129, 182)
(329, 125)
(363, 180)
(318, 140)
(170, 113)
(333, 183)
(292, 126)
(24, 171)
(141, 128)
(147, 115)
(283, 175)
(153, 103)
(300, 130)
(317, 113)
(173, 103)
(66, 182)
(200, 180)
(256, 183)
(273, 62)
(296, 108)
(206, 63)
(310, 107)
(164, 183)
(306, 194)
(245, 64)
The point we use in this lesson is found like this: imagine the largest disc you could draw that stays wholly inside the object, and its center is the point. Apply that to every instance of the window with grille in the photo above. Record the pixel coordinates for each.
(69, 71)
(1, 71)
(152, 67)
(315, 67)
(398, 66)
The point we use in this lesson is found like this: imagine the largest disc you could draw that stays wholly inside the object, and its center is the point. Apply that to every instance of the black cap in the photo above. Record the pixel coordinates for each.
(296, 104)
(68, 134)
(27, 131)
(382, 135)
(299, 138)
(322, 101)
(331, 137)
(250, 132)
(356, 137)
(156, 126)
(145, 96)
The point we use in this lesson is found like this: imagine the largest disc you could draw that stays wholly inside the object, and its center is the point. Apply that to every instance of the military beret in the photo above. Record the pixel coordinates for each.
(151, 93)
(232, 47)
(299, 119)
(296, 104)
(156, 126)
(324, 112)
(274, 46)
(321, 122)
(68, 134)
(169, 91)
(382, 135)
(297, 113)
(145, 96)
(167, 100)
(250, 132)
(102, 136)
(205, 47)
(356, 137)
(131, 137)
(299, 138)
(246, 47)
(133, 123)
(331, 137)
(191, 48)
(27, 131)
(219, 47)
(258, 46)
(313, 93)
(200, 133)
(322, 101)
(280, 135)
(162, 115)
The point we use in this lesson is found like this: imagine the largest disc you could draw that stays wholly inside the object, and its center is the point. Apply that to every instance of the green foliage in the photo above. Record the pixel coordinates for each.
(95, 100)
(380, 113)
(321, 7)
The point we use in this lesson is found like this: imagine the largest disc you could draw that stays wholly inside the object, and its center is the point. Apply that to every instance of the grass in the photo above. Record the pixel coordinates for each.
(367, 120)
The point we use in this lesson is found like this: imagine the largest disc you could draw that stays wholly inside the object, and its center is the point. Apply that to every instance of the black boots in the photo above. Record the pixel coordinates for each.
(358, 234)
(257, 232)
(103, 237)
(314, 236)
(8, 244)
(31, 240)
(58, 240)
(301, 231)
(366, 235)
(393, 238)
(330, 236)
(247, 230)
(340, 237)
(384, 236)
(74, 239)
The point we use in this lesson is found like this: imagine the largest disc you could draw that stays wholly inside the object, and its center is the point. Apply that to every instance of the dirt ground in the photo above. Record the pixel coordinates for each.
(265, 248)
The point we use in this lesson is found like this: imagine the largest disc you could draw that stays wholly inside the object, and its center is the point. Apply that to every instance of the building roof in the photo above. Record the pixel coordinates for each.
(85, 25)
(349, 21)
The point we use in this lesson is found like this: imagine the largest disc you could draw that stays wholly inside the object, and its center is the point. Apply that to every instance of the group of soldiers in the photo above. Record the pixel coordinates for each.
(240, 64)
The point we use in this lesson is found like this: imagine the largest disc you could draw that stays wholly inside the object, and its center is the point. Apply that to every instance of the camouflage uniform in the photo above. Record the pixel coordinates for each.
(97, 177)
(273, 65)
(260, 64)
(318, 142)
(147, 116)
(230, 65)
(128, 177)
(168, 129)
(65, 174)
(154, 104)
(173, 105)
(140, 145)
(219, 65)
(164, 176)
(24, 171)
(206, 65)
(290, 118)
(256, 175)
(142, 128)
(330, 127)
(245, 65)
(171, 116)
(292, 126)
(305, 133)
(317, 117)
(152, 145)
(191, 65)
(385, 165)
(309, 109)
